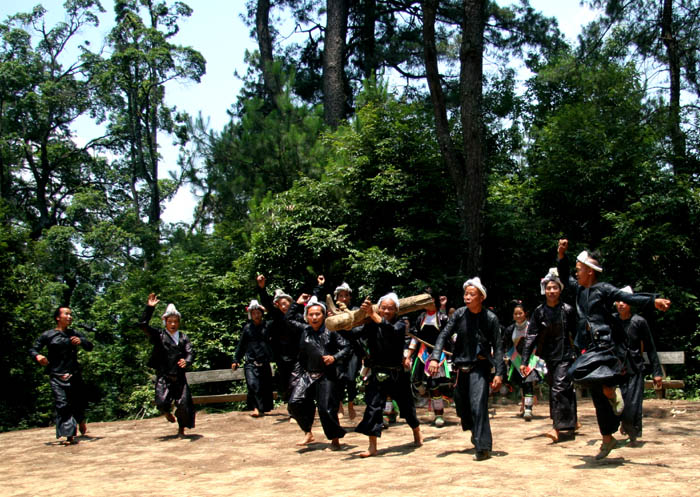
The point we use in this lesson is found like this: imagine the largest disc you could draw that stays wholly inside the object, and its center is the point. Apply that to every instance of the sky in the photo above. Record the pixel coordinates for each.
(218, 32)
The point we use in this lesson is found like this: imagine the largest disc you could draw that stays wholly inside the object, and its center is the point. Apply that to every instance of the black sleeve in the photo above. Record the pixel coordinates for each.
(84, 342)
(497, 344)
(145, 319)
(39, 344)
(242, 345)
(444, 336)
(533, 330)
(649, 346)
(189, 353)
(344, 348)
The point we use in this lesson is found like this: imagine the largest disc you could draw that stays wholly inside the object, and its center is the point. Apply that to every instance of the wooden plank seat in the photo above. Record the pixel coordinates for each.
(215, 376)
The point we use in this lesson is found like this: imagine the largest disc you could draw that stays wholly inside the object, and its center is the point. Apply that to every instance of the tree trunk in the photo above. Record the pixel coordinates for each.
(471, 104)
(676, 135)
(262, 30)
(367, 40)
(334, 98)
(349, 319)
(466, 169)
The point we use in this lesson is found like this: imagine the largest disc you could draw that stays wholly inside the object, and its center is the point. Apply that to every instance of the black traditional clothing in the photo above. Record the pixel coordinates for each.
(284, 340)
(476, 336)
(65, 377)
(255, 347)
(385, 342)
(602, 339)
(640, 341)
(316, 385)
(170, 383)
(551, 331)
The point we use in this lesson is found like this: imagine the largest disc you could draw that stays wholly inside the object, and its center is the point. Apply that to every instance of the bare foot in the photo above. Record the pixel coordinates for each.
(70, 441)
(82, 427)
(181, 432)
(553, 435)
(169, 416)
(417, 437)
(351, 410)
(308, 438)
(368, 453)
(335, 444)
(256, 413)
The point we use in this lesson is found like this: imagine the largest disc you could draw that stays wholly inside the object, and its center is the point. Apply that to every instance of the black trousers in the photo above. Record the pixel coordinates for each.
(633, 393)
(396, 385)
(70, 403)
(284, 376)
(173, 389)
(562, 398)
(259, 382)
(309, 394)
(471, 402)
(348, 386)
(608, 422)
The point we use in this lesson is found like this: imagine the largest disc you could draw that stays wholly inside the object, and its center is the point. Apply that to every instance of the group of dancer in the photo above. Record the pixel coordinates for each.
(586, 344)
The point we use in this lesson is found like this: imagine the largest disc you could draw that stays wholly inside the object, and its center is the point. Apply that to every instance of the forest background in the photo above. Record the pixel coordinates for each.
(391, 144)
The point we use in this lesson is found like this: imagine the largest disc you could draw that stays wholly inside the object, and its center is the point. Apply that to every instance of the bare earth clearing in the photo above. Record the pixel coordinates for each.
(234, 454)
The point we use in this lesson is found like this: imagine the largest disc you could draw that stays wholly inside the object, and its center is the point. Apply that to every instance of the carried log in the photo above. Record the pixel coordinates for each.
(349, 319)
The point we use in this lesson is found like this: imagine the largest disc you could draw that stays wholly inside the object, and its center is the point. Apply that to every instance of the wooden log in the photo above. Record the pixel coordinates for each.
(349, 319)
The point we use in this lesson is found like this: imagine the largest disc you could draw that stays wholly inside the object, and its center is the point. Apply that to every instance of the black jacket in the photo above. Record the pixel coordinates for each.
(166, 353)
(61, 353)
(477, 335)
(552, 330)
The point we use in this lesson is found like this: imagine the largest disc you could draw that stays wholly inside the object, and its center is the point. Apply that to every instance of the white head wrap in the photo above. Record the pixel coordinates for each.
(312, 302)
(552, 275)
(254, 304)
(342, 288)
(279, 294)
(390, 296)
(170, 311)
(627, 289)
(584, 258)
(475, 282)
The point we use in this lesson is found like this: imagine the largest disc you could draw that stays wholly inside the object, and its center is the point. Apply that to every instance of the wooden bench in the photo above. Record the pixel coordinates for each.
(666, 358)
(215, 376)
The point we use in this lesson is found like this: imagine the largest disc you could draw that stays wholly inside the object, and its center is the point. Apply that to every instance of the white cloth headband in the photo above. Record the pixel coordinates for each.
(170, 311)
(584, 258)
(475, 282)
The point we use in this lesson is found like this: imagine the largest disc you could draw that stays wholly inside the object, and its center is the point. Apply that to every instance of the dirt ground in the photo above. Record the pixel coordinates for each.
(234, 454)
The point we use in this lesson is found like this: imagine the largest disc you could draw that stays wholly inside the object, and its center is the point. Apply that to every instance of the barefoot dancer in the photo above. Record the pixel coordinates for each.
(255, 346)
(317, 384)
(551, 331)
(64, 372)
(171, 355)
(389, 376)
(602, 365)
(478, 332)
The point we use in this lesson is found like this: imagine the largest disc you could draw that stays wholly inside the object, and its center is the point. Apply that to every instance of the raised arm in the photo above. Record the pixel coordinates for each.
(147, 314)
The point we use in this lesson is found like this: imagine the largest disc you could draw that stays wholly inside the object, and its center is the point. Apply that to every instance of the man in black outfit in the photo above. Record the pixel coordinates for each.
(551, 330)
(171, 356)
(478, 333)
(389, 376)
(254, 345)
(64, 372)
